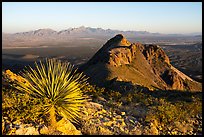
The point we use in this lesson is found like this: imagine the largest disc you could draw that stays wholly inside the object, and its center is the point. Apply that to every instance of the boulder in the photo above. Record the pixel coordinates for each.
(27, 130)
(67, 128)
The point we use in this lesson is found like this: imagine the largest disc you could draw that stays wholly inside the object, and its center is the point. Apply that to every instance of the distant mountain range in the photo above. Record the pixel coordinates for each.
(45, 36)
(87, 31)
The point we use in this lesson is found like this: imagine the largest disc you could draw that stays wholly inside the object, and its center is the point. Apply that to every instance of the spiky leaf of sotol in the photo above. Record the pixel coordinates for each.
(58, 84)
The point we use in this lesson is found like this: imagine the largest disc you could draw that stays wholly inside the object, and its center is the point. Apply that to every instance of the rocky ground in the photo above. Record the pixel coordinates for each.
(112, 113)
(104, 119)
(101, 119)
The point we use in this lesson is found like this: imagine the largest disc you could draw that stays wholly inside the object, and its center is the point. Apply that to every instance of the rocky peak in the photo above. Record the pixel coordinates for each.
(117, 51)
(78, 30)
(39, 32)
(118, 40)
(44, 32)
(147, 65)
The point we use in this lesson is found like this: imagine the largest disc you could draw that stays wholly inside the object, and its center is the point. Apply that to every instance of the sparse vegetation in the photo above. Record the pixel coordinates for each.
(57, 85)
(21, 108)
(161, 112)
(166, 110)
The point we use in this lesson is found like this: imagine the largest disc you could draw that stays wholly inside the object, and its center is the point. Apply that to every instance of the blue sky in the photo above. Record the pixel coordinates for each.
(163, 17)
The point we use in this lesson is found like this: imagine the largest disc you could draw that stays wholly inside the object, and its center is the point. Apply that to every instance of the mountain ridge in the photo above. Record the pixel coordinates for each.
(82, 28)
(86, 35)
(146, 65)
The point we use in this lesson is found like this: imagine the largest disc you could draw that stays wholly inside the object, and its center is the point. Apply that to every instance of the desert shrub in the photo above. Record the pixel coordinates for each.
(59, 85)
(136, 96)
(129, 98)
(21, 107)
(167, 113)
(17, 106)
(113, 95)
(94, 90)
(116, 94)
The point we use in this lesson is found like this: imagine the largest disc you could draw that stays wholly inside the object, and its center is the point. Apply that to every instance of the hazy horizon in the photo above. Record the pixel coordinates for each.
(195, 33)
(154, 17)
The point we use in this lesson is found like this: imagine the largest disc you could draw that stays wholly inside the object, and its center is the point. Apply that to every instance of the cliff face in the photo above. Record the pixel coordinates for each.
(145, 65)
(123, 55)
(155, 53)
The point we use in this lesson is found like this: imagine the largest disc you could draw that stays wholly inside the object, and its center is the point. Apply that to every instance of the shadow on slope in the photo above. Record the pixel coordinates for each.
(172, 96)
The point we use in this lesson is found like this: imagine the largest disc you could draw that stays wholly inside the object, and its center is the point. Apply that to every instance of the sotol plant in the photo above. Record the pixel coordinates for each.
(59, 85)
